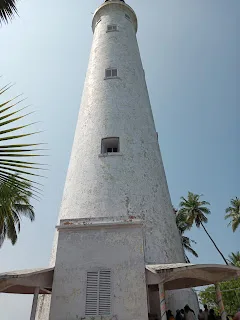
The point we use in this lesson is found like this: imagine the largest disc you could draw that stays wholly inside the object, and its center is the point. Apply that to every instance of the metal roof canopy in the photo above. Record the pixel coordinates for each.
(25, 281)
(186, 275)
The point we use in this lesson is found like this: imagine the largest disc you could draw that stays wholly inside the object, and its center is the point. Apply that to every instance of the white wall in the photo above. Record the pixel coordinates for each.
(177, 299)
(132, 183)
(121, 251)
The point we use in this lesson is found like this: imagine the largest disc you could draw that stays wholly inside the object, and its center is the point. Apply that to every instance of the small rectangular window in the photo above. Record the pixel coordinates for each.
(111, 73)
(108, 73)
(127, 17)
(110, 145)
(114, 72)
(98, 293)
(111, 27)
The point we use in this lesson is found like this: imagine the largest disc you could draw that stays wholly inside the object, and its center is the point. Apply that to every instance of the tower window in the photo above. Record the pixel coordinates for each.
(127, 17)
(98, 293)
(110, 145)
(112, 27)
(111, 73)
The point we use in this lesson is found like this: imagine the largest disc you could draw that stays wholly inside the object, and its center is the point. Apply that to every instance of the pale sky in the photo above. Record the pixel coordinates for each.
(189, 53)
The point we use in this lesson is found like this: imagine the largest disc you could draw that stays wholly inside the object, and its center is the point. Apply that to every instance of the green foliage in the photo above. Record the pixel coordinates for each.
(233, 213)
(16, 184)
(193, 211)
(183, 226)
(7, 10)
(234, 259)
(13, 155)
(231, 299)
(14, 204)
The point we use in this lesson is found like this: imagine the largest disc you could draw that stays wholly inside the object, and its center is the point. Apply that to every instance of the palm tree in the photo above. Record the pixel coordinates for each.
(234, 258)
(186, 241)
(192, 210)
(7, 10)
(14, 204)
(15, 185)
(233, 212)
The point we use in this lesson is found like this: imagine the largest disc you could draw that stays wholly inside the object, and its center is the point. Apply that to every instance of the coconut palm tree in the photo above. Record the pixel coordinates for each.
(233, 212)
(16, 188)
(186, 241)
(194, 211)
(234, 258)
(7, 10)
(14, 204)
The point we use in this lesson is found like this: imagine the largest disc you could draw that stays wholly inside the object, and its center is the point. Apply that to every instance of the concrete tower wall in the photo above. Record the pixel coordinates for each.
(132, 182)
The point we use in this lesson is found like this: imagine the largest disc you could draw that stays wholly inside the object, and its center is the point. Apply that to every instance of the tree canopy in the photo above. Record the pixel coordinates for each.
(14, 204)
(230, 293)
(194, 211)
(234, 259)
(233, 213)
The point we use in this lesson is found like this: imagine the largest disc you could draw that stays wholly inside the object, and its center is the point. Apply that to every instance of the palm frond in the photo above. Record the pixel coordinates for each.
(7, 10)
(10, 154)
(234, 258)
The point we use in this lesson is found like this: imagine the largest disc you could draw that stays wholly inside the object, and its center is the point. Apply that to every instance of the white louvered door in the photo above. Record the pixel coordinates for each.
(98, 293)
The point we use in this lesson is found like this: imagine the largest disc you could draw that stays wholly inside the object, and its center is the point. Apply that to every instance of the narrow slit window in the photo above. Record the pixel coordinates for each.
(112, 27)
(98, 293)
(111, 73)
(110, 145)
(127, 17)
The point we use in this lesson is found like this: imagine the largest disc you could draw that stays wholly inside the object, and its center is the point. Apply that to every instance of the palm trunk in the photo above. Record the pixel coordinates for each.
(214, 243)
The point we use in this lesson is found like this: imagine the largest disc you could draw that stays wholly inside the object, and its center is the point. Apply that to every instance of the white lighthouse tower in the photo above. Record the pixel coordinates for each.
(116, 214)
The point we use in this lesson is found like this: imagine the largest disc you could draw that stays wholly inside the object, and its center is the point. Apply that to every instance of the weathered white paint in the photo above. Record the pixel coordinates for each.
(162, 301)
(133, 183)
(93, 248)
(34, 304)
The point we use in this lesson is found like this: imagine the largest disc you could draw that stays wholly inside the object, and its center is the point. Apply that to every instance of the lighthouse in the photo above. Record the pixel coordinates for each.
(116, 215)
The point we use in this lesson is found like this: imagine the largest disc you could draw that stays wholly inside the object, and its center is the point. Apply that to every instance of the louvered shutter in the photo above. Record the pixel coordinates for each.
(104, 307)
(98, 294)
(92, 294)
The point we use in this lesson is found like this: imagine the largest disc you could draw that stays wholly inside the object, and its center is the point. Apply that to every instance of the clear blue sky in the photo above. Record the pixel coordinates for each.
(189, 53)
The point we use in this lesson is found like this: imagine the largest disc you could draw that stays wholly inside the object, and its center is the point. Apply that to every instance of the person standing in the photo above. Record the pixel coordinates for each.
(205, 312)
(170, 315)
(211, 315)
(182, 314)
(189, 315)
(178, 315)
(201, 315)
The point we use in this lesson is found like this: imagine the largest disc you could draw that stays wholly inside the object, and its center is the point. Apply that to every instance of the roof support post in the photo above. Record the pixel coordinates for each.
(220, 302)
(162, 301)
(34, 304)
